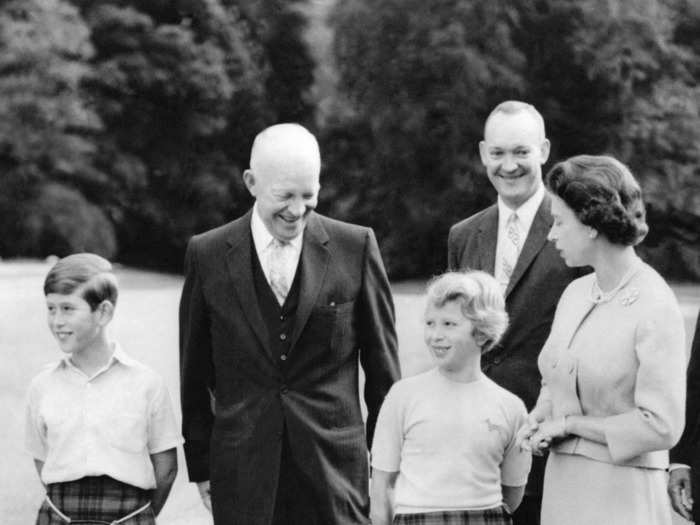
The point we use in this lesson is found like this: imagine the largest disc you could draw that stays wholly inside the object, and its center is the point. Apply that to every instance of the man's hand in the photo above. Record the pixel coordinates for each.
(205, 493)
(679, 490)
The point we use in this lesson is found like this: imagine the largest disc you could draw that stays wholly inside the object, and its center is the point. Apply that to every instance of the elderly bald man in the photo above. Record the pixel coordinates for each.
(278, 309)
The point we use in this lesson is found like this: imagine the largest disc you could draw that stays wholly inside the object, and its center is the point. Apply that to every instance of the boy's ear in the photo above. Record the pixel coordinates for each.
(106, 311)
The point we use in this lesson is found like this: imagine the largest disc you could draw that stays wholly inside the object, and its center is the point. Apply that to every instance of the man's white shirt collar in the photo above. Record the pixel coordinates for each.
(526, 212)
(262, 237)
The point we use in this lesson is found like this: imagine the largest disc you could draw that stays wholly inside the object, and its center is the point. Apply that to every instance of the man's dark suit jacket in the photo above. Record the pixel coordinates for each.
(687, 450)
(345, 311)
(538, 280)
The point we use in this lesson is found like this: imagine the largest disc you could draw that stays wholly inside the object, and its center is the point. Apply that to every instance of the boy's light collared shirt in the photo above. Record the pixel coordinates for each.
(107, 424)
(262, 239)
(526, 215)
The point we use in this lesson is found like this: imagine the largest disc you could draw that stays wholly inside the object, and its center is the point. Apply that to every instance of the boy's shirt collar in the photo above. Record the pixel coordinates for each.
(118, 356)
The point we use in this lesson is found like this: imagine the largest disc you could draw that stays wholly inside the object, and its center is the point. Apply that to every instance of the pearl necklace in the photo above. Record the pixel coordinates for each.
(598, 296)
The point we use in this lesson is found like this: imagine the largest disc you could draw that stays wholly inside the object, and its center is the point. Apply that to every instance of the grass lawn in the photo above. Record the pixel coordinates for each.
(146, 325)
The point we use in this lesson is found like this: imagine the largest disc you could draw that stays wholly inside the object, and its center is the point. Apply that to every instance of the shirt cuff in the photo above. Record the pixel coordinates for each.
(676, 466)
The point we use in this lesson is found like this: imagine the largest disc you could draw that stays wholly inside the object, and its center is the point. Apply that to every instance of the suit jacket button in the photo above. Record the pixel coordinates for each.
(283, 357)
(283, 337)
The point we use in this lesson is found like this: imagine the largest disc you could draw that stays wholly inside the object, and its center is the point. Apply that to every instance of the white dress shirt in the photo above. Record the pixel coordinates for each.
(262, 239)
(526, 214)
(106, 424)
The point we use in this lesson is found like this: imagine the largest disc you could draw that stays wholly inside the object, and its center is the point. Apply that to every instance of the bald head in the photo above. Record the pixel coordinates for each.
(285, 148)
(285, 164)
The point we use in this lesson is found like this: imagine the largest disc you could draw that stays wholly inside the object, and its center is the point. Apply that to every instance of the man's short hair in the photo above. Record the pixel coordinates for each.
(511, 107)
(90, 273)
(480, 298)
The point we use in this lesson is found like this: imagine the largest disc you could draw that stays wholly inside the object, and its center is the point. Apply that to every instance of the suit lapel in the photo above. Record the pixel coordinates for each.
(314, 264)
(240, 267)
(486, 249)
(535, 241)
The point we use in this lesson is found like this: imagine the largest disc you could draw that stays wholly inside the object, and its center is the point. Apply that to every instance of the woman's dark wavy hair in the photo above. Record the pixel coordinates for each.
(603, 194)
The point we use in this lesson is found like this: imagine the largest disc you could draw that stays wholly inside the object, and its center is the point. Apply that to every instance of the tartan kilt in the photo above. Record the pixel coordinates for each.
(495, 516)
(100, 499)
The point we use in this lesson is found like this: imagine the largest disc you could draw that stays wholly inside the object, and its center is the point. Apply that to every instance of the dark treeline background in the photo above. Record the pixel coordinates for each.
(125, 125)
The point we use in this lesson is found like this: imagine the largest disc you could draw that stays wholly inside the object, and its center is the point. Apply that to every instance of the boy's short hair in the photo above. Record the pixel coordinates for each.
(89, 272)
(480, 298)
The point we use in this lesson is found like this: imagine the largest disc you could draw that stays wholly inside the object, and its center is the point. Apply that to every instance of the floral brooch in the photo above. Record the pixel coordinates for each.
(629, 296)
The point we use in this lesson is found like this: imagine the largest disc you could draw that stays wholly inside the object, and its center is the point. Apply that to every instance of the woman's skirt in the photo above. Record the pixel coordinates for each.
(582, 491)
(496, 516)
(95, 501)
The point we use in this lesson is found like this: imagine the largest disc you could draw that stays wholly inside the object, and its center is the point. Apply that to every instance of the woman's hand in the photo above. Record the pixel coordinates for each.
(550, 430)
(522, 437)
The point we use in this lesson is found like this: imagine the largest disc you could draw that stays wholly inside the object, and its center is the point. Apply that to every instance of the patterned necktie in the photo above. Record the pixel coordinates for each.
(511, 249)
(278, 263)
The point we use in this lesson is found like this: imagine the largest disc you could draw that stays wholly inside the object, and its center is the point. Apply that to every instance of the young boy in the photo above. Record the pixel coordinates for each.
(99, 424)
(444, 446)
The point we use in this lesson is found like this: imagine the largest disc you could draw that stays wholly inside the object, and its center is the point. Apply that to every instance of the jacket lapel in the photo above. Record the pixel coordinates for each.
(314, 264)
(535, 241)
(486, 248)
(240, 267)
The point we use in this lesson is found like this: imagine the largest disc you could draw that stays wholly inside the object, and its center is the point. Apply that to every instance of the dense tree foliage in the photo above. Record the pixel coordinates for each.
(46, 130)
(125, 124)
(417, 79)
(145, 111)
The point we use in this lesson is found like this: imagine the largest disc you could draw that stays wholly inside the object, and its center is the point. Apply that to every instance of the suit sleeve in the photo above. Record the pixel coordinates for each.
(686, 449)
(377, 333)
(196, 370)
(657, 420)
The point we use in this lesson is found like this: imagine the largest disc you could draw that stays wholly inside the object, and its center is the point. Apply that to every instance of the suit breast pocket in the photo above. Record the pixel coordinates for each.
(329, 323)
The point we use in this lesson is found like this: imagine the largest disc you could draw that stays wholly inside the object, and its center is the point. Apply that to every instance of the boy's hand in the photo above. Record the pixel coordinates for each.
(204, 488)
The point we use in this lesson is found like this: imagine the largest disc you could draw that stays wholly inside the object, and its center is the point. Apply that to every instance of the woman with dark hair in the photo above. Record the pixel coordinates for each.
(613, 367)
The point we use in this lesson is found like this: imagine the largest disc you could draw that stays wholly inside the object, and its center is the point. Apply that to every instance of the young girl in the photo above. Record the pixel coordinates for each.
(99, 424)
(445, 442)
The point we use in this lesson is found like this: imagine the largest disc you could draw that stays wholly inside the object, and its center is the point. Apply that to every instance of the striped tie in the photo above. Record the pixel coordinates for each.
(511, 249)
(278, 259)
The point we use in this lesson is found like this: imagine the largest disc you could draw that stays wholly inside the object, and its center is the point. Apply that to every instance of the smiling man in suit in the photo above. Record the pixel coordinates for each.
(509, 240)
(277, 310)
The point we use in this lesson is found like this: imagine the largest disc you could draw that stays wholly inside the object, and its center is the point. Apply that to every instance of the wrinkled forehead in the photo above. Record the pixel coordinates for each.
(286, 149)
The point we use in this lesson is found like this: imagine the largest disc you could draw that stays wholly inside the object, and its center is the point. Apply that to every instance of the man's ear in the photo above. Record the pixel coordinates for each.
(482, 152)
(249, 181)
(544, 150)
